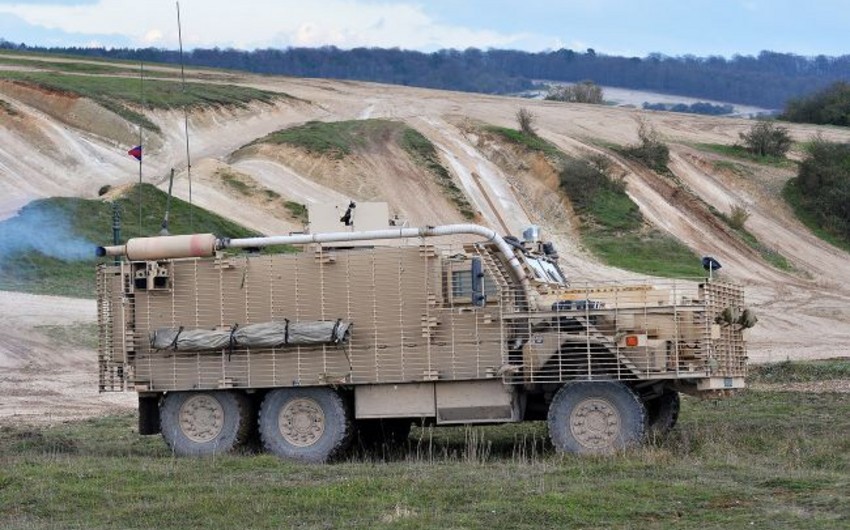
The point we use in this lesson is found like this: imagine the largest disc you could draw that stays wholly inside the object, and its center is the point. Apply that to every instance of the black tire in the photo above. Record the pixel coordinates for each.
(204, 423)
(305, 424)
(663, 413)
(380, 434)
(596, 418)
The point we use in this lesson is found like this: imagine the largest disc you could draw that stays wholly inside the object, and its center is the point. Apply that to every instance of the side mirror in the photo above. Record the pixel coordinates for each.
(478, 297)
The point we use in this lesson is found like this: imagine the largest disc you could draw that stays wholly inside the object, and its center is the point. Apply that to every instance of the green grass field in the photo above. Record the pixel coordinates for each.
(740, 152)
(336, 139)
(97, 67)
(125, 95)
(762, 459)
(530, 141)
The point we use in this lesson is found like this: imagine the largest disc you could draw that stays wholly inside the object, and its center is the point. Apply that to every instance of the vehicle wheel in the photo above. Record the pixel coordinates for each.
(204, 423)
(663, 412)
(383, 433)
(304, 424)
(596, 418)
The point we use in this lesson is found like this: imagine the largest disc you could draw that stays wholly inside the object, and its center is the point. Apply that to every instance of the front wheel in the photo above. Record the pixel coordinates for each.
(304, 424)
(596, 418)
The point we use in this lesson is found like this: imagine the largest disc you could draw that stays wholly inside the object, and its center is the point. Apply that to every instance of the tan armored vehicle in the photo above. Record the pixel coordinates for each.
(367, 331)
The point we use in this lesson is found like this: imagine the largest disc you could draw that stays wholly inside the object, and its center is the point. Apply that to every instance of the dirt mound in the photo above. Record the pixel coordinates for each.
(72, 110)
(377, 171)
(224, 189)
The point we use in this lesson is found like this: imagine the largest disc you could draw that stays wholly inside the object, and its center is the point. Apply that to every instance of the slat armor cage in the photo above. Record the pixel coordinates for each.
(413, 318)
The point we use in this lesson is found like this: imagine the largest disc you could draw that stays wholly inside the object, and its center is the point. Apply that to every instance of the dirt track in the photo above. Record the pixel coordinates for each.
(46, 152)
(43, 378)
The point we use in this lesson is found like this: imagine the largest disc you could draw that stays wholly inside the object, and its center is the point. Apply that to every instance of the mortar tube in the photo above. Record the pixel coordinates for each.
(114, 250)
(391, 233)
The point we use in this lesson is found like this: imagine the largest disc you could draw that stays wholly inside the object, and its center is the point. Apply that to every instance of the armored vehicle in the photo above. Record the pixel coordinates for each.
(368, 331)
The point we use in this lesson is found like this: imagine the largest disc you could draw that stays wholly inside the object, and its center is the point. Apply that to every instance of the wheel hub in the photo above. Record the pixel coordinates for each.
(301, 422)
(595, 423)
(201, 418)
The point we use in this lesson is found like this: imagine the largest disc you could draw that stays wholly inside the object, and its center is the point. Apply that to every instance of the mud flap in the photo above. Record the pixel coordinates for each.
(149, 414)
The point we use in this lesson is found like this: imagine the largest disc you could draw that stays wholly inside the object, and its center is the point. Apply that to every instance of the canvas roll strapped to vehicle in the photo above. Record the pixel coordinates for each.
(315, 347)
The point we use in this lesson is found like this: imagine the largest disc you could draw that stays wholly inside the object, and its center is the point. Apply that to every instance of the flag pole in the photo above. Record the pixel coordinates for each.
(185, 120)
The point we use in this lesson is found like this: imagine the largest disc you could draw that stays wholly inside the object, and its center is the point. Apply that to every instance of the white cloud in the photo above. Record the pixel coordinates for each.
(152, 37)
(262, 23)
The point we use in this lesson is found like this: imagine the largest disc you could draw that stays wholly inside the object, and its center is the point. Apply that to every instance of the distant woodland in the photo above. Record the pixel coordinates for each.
(768, 80)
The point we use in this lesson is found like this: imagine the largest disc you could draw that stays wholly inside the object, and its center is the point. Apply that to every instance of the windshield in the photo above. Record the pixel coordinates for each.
(545, 271)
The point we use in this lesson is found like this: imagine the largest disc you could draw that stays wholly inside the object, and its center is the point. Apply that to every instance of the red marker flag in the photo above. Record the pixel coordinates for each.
(136, 152)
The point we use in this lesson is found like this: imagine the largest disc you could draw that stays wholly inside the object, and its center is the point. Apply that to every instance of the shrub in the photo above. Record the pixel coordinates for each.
(583, 92)
(581, 181)
(525, 119)
(650, 150)
(823, 186)
(700, 107)
(765, 138)
(738, 217)
(594, 192)
(830, 106)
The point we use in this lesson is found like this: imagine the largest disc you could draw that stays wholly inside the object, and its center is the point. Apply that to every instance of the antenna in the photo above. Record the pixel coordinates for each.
(141, 128)
(164, 231)
(185, 120)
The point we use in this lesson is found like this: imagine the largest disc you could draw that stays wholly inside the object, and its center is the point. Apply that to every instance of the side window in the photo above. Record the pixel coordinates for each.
(462, 286)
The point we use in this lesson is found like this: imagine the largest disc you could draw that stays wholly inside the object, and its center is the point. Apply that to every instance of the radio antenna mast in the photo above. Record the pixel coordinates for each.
(141, 143)
(185, 120)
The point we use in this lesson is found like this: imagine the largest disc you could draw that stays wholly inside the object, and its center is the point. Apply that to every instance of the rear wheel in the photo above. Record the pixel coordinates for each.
(204, 423)
(596, 418)
(304, 424)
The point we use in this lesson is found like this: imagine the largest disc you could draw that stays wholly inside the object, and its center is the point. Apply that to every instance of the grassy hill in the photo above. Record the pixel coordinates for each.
(612, 226)
(48, 248)
(126, 95)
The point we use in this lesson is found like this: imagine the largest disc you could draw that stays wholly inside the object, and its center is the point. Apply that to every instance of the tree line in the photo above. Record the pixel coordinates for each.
(769, 79)
(830, 106)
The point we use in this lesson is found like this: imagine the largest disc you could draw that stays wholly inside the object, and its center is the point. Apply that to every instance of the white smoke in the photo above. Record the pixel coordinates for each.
(38, 228)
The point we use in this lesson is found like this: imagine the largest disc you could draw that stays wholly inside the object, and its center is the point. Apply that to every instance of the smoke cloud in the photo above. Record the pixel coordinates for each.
(39, 228)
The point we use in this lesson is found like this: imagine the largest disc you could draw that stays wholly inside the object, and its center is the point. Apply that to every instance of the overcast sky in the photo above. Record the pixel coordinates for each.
(615, 27)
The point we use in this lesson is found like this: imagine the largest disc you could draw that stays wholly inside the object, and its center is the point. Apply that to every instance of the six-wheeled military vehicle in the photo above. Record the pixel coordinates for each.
(372, 330)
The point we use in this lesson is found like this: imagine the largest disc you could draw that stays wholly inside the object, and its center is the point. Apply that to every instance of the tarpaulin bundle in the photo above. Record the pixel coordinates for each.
(263, 335)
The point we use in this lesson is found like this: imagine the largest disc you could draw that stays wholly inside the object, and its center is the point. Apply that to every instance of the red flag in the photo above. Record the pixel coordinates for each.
(136, 152)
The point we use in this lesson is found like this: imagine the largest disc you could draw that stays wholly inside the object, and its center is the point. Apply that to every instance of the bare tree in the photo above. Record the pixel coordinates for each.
(583, 92)
(525, 118)
(651, 150)
(738, 217)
